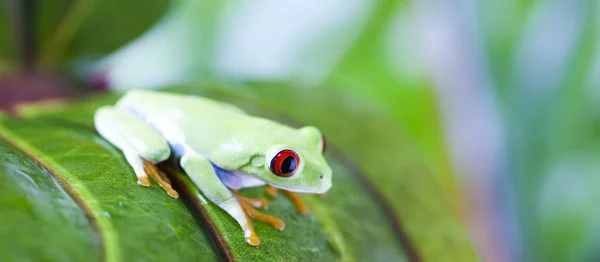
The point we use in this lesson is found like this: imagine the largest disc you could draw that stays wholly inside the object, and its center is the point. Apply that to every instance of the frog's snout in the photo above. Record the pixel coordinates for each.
(325, 184)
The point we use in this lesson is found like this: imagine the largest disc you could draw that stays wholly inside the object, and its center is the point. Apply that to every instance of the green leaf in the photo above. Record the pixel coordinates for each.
(134, 223)
(36, 214)
(394, 211)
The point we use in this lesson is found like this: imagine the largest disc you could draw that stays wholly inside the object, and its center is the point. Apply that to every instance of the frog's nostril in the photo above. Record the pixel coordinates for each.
(320, 176)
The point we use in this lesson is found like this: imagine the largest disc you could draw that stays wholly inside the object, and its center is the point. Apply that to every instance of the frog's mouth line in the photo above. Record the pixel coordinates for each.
(291, 189)
(245, 176)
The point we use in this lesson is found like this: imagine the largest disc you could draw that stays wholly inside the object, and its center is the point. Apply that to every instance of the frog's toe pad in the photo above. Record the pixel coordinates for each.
(143, 181)
(281, 228)
(252, 239)
(172, 193)
(257, 202)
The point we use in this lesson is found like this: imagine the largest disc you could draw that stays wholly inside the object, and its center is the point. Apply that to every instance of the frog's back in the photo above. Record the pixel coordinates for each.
(148, 102)
(203, 125)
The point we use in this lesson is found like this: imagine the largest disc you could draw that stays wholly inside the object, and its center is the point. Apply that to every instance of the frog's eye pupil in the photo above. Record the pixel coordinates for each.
(285, 163)
(288, 165)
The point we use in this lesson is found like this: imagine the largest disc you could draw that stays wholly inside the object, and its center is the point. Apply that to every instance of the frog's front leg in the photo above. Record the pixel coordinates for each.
(142, 146)
(202, 173)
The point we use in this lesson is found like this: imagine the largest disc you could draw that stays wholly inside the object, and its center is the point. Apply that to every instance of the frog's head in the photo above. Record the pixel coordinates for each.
(298, 167)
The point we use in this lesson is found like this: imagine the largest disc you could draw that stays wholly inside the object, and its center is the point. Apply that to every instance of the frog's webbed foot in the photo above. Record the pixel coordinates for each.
(293, 196)
(158, 176)
(254, 202)
(249, 205)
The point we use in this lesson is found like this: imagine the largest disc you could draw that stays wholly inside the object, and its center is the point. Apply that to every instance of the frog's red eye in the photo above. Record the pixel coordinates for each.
(323, 144)
(285, 163)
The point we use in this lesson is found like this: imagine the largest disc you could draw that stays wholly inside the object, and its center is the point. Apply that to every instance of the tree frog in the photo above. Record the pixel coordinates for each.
(220, 147)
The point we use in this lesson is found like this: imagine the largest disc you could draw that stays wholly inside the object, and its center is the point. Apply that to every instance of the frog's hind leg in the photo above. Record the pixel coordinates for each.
(142, 146)
(248, 205)
(293, 196)
(159, 177)
(254, 202)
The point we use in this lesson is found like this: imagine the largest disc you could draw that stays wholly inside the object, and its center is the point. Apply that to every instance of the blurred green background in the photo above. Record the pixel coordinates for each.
(501, 97)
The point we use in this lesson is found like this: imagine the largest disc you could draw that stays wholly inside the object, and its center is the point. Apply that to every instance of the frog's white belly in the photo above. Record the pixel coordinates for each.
(167, 123)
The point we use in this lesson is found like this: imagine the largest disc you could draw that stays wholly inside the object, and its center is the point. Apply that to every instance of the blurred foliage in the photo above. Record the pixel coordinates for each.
(70, 30)
(543, 72)
(93, 28)
(367, 69)
(8, 52)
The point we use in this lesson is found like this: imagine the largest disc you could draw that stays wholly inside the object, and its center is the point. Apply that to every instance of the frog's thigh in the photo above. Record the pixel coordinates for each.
(201, 172)
(118, 127)
(129, 133)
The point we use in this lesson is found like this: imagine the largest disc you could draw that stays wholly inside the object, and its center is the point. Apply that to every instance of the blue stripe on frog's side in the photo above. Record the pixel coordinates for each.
(236, 180)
